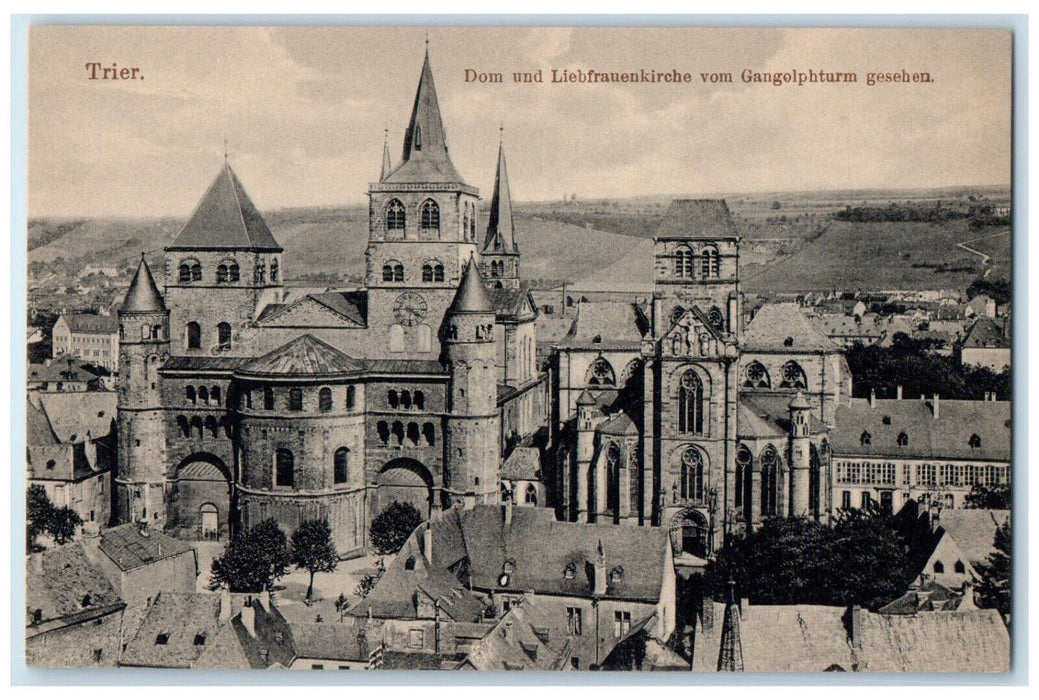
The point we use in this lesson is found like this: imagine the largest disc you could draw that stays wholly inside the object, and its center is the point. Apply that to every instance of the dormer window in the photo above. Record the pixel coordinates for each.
(866, 438)
(903, 439)
(162, 638)
(974, 442)
(409, 564)
(200, 639)
(616, 574)
(570, 571)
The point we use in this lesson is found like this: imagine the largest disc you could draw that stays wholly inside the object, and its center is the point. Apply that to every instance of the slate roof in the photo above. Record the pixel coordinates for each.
(500, 236)
(129, 549)
(973, 529)
(58, 371)
(471, 296)
(970, 641)
(511, 303)
(232, 646)
(225, 218)
(986, 333)
(202, 363)
(697, 218)
(929, 597)
(945, 437)
(92, 323)
(619, 424)
(523, 464)
(143, 294)
(763, 416)
(391, 367)
(61, 587)
(38, 428)
(774, 324)
(180, 617)
(617, 325)
(305, 356)
(336, 640)
(521, 641)
(75, 416)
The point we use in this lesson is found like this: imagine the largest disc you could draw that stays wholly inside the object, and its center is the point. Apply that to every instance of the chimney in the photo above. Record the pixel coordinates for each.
(362, 643)
(936, 406)
(142, 527)
(264, 598)
(872, 398)
(225, 605)
(600, 571)
(36, 561)
(91, 540)
(857, 621)
(249, 620)
(968, 597)
(427, 543)
(898, 392)
(507, 631)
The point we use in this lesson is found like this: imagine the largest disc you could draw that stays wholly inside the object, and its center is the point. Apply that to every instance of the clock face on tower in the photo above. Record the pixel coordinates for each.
(409, 308)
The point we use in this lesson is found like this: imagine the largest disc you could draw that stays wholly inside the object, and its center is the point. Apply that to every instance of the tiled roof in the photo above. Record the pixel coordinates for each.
(76, 416)
(945, 437)
(143, 294)
(471, 296)
(58, 371)
(524, 463)
(92, 323)
(38, 428)
(616, 325)
(784, 327)
(305, 356)
(67, 581)
(619, 424)
(929, 597)
(973, 529)
(697, 218)
(129, 549)
(432, 367)
(226, 218)
(986, 333)
(970, 641)
(522, 640)
(764, 416)
(511, 303)
(201, 363)
(336, 640)
(180, 618)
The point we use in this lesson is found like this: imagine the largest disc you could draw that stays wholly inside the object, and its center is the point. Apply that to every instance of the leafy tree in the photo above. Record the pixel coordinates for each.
(43, 517)
(342, 603)
(994, 587)
(313, 550)
(996, 497)
(63, 524)
(391, 528)
(253, 560)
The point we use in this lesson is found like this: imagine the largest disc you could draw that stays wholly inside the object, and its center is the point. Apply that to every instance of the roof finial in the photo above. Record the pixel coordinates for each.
(142, 256)
(427, 42)
(501, 131)
(225, 150)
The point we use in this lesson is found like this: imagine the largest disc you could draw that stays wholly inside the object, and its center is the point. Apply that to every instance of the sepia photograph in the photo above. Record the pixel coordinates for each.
(518, 348)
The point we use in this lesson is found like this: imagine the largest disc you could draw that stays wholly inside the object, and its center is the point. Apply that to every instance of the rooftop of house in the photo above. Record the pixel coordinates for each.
(763, 416)
(783, 326)
(133, 545)
(973, 529)
(987, 333)
(65, 587)
(514, 304)
(354, 639)
(76, 416)
(60, 370)
(94, 324)
(526, 638)
(523, 463)
(175, 631)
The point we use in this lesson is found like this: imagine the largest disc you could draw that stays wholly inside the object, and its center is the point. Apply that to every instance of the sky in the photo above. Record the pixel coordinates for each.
(304, 112)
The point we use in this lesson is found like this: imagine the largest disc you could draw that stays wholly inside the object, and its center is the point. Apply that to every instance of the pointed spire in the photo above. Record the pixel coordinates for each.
(143, 294)
(501, 236)
(730, 655)
(386, 165)
(471, 296)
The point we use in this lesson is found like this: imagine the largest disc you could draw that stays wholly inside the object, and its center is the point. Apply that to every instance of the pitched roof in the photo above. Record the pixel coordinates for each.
(66, 580)
(58, 371)
(501, 235)
(386, 164)
(973, 529)
(524, 463)
(202, 363)
(92, 323)
(130, 547)
(616, 325)
(512, 303)
(349, 304)
(947, 436)
(38, 428)
(336, 640)
(305, 356)
(522, 640)
(697, 218)
(143, 294)
(986, 333)
(225, 218)
(619, 424)
(764, 416)
(76, 416)
(180, 619)
(961, 641)
(406, 367)
(425, 157)
(784, 327)
(471, 296)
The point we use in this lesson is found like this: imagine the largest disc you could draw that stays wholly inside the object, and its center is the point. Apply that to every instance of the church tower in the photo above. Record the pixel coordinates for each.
(500, 257)
(800, 456)
(144, 344)
(421, 232)
(471, 431)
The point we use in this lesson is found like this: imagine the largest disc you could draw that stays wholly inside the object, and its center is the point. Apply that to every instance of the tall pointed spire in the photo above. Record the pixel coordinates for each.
(730, 654)
(501, 237)
(386, 166)
(143, 294)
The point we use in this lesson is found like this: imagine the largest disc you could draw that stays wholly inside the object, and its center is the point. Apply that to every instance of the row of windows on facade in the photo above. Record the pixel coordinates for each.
(886, 502)
(530, 494)
(429, 220)
(197, 426)
(974, 441)
(294, 399)
(193, 335)
(884, 474)
(393, 271)
(285, 467)
(226, 272)
(621, 625)
(715, 317)
(406, 399)
(755, 376)
(497, 268)
(398, 434)
(688, 263)
(771, 471)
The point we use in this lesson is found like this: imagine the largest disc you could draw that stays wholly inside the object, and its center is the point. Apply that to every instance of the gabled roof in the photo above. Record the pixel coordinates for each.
(784, 327)
(524, 463)
(761, 416)
(606, 325)
(986, 333)
(501, 235)
(619, 424)
(347, 309)
(514, 304)
(425, 157)
(471, 297)
(526, 638)
(58, 371)
(143, 294)
(962, 641)
(59, 581)
(39, 432)
(973, 529)
(306, 356)
(337, 640)
(697, 218)
(76, 416)
(130, 548)
(225, 218)
(180, 618)
(92, 323)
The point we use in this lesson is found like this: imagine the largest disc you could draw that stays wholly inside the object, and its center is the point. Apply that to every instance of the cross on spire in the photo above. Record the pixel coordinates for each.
(225, 149)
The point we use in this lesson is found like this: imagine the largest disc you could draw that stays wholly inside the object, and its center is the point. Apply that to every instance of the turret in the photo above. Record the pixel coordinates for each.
(800, 456)
(144, 342)
(587, 410)
(472, 427)
(500, 255)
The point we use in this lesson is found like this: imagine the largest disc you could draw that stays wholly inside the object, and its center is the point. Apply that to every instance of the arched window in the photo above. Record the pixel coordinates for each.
(223, 334)
(351, 397)
(959, 567)
(974, 442)
(398, 432)
(413, 434)
(383, 429)
(261, 273)
(865, 438)
(392, 398)
(903, 439)
(465, 222)
(390, 270)
(340, 465)
(430, 216)
(203, 395)
(157, 332)
(409, 564)
(284, 468)
(184, 272)
(793, 377)
(221, 273)
(716, 318)
(769, 460)
(429, 433)
(684, 263)
(395, 217)
(472, 222)
(613, 465)
(324, 399)
(396, 338)
(424, 338)
(419, 399)
(214, 396)
(815, 476)
(189, 394)
(692, 474)
(234, 273)
(601, 374)
(744, 469)
(690, 403)
(756, 376)
(530, 496)
(709, 262)
(274, 270)
(427, 273)
(268, 398)
(295, 399)
(405, 399)
(196, 272)
(193, 333)
(939, 567)
(438, 272)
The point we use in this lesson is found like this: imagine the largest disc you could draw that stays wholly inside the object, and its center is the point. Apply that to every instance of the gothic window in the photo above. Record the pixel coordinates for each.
(690, 403)
(234, 273)
(268, 398)
(396, 338)
(676, 315)
(465, 222)
(429, 433)
(430, 216)
(939, 567)
(815, 482)
(684, 263)
(903, 439)
(756, 376)
(194, 335)
(692, 475)
(601, 374)
(613, 465)
(974, 442)
(865, 438)
(793, 377)
(351, 397)
(324, 399)
(530, 496)
(769, 481)
(284, 468)
(716, 318)
(340, 465)
(395, 217)
(709, 262)
(295, 399)
(959, 567)
(744, 468)
(223, 333)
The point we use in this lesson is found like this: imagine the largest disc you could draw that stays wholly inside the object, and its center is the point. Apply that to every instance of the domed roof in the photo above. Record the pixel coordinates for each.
(143, 294)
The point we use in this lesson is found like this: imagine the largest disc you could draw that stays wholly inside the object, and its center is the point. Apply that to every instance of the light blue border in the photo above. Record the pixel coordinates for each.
(21, 675)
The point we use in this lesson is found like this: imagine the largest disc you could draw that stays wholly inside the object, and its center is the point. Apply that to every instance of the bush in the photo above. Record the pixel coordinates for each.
(392, 527)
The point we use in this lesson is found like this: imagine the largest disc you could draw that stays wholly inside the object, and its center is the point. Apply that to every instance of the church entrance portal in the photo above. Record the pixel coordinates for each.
(408, 481)
(689, 531)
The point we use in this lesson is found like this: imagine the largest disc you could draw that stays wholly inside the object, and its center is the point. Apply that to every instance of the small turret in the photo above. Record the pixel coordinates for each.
(800, 456)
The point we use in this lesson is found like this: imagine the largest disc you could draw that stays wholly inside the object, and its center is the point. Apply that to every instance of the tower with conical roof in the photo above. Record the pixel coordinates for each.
(471, 429)
(222, 268)
(421, 232)
(144, 342)
(499, 256)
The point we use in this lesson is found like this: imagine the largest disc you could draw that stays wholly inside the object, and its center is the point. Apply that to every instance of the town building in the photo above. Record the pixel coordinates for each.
(987, 344)
(65, 374)
(92, 337)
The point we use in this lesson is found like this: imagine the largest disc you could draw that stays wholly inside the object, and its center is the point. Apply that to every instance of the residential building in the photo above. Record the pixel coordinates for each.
(91, 337)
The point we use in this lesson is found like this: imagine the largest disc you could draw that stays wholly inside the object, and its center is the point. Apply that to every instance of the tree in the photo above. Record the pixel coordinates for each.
(342, 603)
(43, 517)
(63, 524)
(994, 587)
(391, 528)
(995, 497)
(253, 560)
(313, 550)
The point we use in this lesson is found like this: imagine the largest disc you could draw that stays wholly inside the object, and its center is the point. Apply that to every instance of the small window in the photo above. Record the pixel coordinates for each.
(416, 639)
(409, 564)
(284, 468)
(268, 398)
(193, 333)
(959, 567)
(295, 399)
(351, 397)
(886, 420)
(974, 442)
(162, 638)
(573, 621)
(223, 332)
(324, 399)
(939, 567)
(86, 602)
(341, 465)
(98, 653)
(903, 439)
(570, 571)
(866, 438)
(200, 639)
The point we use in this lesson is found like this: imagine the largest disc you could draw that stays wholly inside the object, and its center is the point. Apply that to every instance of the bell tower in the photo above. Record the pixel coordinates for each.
(500, 256)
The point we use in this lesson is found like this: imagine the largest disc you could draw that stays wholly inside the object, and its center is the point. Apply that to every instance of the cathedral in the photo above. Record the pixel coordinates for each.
(241, 400)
